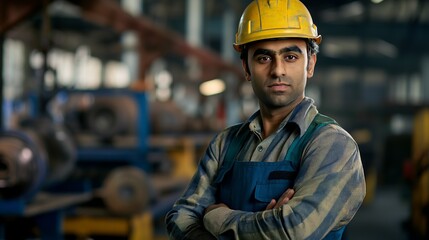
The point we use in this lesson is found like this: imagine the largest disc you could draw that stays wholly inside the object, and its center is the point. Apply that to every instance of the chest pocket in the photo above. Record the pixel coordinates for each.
(275, 185)
(264, 192)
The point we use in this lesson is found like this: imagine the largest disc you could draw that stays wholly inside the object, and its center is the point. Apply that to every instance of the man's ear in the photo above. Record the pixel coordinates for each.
(311, 65)
(245, 69)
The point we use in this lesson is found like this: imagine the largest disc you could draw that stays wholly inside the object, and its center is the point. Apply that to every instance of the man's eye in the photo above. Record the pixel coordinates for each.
(291, 57)
(264, 59)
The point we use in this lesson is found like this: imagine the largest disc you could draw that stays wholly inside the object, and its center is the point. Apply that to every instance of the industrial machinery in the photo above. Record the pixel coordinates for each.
(95, 158)
(107, 117)
(110, 128)
(40, 154)
(37, 156)
(23, 166)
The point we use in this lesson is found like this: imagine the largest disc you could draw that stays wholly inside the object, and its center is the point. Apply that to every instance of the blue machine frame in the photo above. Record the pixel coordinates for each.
(135, 156)
(49, 220)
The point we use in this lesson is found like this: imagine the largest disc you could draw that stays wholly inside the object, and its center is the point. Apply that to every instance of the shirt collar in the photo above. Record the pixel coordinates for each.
(301, 116)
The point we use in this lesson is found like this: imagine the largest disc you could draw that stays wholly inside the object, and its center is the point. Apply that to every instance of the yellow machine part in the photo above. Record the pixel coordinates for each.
(184, 159)
(420, 161)
(136, 227)
(371, 185)
(184, 152)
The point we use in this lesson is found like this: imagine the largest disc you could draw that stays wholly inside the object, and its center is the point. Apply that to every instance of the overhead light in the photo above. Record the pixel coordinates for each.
(377, 1)
(212, 87)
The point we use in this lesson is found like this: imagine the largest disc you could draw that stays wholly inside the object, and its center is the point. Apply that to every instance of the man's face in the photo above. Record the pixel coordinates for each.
(278, 71)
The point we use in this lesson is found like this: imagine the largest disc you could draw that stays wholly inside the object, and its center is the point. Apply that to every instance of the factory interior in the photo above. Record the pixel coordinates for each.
(107, 107)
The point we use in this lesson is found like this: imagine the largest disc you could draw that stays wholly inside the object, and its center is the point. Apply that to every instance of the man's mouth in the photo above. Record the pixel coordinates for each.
(279, 86)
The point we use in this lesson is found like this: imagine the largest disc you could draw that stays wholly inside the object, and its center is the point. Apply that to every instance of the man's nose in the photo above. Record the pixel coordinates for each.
(278, 68)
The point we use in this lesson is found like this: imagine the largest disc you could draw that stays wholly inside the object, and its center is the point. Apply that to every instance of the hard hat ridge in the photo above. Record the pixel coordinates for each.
(267, 19)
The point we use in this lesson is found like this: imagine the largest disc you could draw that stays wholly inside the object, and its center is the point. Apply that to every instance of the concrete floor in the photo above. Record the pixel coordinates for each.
(382, 218)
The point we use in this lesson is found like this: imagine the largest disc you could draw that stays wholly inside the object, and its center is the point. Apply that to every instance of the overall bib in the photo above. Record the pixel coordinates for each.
(250, 186)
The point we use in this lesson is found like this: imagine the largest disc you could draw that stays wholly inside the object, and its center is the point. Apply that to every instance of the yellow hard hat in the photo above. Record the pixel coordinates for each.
(267, 19)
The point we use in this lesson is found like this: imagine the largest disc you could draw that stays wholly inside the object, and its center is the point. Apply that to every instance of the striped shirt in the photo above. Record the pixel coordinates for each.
(329, 187)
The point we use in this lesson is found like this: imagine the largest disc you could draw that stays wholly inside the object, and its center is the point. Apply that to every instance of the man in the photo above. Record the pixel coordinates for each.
(288, 172)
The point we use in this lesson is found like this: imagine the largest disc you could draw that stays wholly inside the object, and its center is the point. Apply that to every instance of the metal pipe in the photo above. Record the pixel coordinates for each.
(1, 81)
(45, 37)
(194, 21)
(2, 37)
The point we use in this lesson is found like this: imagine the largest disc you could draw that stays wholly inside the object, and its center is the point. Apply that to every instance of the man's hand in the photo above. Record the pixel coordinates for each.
(214, 206)
(284, 198)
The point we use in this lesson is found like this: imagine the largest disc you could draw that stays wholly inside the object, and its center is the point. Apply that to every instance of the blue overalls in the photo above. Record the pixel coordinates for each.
(250, 186)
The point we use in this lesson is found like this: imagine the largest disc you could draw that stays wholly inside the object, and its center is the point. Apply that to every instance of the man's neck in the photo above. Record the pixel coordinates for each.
(271, 119)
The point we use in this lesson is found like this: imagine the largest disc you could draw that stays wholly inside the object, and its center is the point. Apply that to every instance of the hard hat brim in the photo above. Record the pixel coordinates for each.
(239, 47)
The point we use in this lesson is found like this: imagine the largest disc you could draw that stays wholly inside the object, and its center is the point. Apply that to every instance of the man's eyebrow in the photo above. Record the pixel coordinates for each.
(291, 49)
(262, 51)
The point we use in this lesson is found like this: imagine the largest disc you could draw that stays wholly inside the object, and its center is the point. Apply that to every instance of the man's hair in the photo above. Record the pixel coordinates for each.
(312, 48)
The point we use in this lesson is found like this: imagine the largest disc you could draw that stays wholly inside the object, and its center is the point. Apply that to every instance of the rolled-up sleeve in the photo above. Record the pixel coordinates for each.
(184, 220)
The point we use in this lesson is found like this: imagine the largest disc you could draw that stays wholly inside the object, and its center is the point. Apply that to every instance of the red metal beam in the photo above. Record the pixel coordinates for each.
(13, 12)
(153, 37)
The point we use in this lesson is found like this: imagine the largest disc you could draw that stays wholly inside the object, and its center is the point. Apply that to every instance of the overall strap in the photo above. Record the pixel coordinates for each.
(297, 147)
(234, 147)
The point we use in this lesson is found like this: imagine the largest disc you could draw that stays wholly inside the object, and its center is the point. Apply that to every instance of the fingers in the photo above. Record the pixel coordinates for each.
(289, 194)
(284, 198)
(271, 204)
(282, 202)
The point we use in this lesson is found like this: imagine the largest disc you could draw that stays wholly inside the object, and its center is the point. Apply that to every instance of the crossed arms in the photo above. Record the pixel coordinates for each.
(328, 191)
